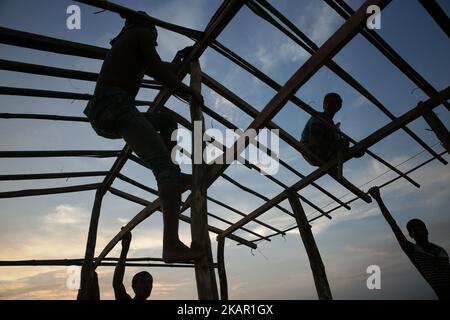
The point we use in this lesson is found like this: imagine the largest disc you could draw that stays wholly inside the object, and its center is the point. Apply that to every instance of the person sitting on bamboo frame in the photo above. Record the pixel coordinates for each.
(142, 282)
(321, 139)
(430, 260)
(113, 114)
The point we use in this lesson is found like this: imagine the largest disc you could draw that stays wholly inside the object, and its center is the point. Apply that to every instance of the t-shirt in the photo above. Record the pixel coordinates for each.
(306, 131)
(432, 263)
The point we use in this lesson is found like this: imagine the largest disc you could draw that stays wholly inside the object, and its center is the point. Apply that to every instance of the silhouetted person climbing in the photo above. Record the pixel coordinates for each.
(431, 260)
(321, 139)
(112, 114)
(142, 282)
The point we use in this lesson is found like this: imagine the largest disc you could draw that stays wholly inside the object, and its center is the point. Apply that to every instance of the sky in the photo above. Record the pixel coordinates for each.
(55, 226)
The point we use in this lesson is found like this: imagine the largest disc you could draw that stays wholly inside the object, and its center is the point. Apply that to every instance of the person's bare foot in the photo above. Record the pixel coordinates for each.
(178, 252)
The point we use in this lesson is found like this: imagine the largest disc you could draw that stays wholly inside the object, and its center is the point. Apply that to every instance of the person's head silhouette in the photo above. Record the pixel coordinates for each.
(332, 103)
(142, 284)
(417, 230)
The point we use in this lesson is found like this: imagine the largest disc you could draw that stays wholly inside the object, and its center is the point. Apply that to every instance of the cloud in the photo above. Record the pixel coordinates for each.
(67, 215)
(286, 52)
(318, 21)
(225, 108)
(123, 220)
(366, 251)
(43, 285)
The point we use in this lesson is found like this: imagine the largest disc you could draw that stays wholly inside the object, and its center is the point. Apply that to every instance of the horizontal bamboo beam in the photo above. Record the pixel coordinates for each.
(79, 262)
(125, 12)
(59, 175)
(60, 153)
(26, 92)
(41, 117)
(17, 66)
(47, 191)
(129, 197)
(365, 143)
(39, 42)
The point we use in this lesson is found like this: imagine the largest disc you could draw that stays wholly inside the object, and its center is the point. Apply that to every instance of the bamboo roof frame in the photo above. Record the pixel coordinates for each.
(320, 57)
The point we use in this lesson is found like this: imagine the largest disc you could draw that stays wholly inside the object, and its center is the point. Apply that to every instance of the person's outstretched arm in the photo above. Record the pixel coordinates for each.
(161, 71)
(119, 289)
(375, 193)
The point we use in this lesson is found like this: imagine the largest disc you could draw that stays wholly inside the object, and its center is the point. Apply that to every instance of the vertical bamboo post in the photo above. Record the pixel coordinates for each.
(315, 261)
(204, 269)
(221, 269)
(87, 270)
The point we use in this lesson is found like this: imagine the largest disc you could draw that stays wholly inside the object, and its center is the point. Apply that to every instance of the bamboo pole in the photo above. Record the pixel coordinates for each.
(221, 269)
(125, 12)
(59, 153)
(59, 175)
(87, 269)
(79, 262)
(315, 261)
(26, 92)
(48, 191)
(204, 272)
(17, 66)
(41, 117)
